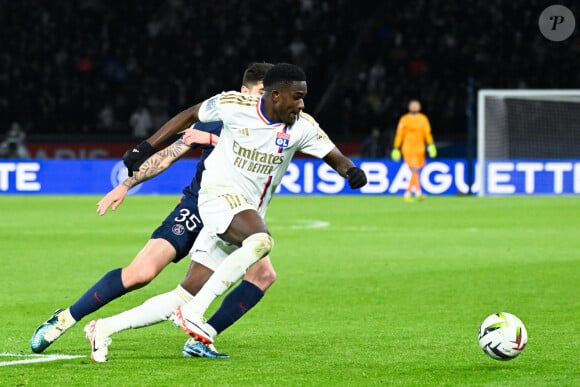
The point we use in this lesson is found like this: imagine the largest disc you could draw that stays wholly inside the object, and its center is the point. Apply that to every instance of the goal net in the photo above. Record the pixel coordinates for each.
(540, 125)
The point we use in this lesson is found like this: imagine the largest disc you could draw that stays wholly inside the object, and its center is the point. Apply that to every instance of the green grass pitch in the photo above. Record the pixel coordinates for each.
(370, 291)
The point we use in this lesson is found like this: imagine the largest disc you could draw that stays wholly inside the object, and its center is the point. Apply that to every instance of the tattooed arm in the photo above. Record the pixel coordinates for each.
(157, 163)
(152, 167)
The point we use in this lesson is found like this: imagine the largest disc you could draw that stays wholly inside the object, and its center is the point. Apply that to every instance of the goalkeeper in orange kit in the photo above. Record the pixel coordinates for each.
(413, 133)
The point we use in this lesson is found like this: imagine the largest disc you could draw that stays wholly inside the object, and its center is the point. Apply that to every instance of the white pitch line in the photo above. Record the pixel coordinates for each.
(309, 225)
(300, 224)
(35, 358)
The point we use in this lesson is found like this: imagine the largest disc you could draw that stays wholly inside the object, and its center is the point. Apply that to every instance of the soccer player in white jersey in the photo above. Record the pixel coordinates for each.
(258, 140)
(170, 242)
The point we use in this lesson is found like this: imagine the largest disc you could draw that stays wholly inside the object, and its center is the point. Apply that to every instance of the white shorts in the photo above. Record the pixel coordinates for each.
(210, 250)
(218, 207)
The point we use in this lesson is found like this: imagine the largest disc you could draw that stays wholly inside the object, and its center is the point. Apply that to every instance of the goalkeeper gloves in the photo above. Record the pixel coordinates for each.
(356, 177)
(432, 150)
(133, 158)
(396, 155)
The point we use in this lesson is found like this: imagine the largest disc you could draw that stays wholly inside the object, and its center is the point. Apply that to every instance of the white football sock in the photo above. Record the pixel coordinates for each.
(152, 311)
(253, 248)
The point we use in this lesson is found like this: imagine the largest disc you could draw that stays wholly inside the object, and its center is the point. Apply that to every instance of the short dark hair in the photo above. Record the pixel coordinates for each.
(284, 73)
(255, 72)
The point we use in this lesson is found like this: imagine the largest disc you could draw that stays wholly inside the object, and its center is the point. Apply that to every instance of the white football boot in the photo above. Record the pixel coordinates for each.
(99, 342)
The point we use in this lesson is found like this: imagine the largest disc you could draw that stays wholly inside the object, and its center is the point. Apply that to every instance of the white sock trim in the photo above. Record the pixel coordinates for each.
(263, 243)
(183, 294)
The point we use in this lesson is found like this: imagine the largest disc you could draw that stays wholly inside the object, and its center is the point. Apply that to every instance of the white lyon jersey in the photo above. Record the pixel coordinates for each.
(253, 153)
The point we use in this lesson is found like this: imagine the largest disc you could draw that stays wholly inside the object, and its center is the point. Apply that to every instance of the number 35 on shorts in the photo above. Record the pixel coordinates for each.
(190, 219)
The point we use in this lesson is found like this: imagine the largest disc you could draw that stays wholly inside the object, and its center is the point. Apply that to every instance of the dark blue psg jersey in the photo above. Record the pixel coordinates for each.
(211, 127)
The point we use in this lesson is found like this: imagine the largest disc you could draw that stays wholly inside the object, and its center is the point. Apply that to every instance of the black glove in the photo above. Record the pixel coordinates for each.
(134, 157)
(356, 177)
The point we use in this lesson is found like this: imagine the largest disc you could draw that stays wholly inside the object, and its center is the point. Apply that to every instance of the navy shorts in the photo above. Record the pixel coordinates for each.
(181, 227)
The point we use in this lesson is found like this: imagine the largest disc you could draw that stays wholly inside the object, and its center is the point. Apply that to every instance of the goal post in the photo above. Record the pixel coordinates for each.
(533, 124)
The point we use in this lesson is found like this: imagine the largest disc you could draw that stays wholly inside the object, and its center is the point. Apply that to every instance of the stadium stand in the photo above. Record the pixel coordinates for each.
(73, 69)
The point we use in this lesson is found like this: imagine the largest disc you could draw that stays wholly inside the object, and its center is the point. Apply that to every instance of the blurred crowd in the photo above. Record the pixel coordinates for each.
(122, 68)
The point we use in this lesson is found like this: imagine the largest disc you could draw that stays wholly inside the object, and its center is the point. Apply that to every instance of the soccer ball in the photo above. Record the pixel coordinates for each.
(502, 336)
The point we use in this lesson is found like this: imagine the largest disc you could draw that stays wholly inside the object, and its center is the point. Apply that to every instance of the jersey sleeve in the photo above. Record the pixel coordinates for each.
(428, 136)
(315, 141)
(209, 110)
(214, 127)
(399, 135)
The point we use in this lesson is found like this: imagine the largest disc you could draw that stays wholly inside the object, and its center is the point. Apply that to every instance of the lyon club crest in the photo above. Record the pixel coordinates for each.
(282, 140)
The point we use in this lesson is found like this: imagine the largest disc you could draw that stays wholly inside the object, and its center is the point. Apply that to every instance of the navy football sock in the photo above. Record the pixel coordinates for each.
(104, 291)
(243, 298)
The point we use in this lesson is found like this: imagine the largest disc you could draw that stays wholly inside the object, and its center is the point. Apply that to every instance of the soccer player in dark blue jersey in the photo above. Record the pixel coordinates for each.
(170, 242)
